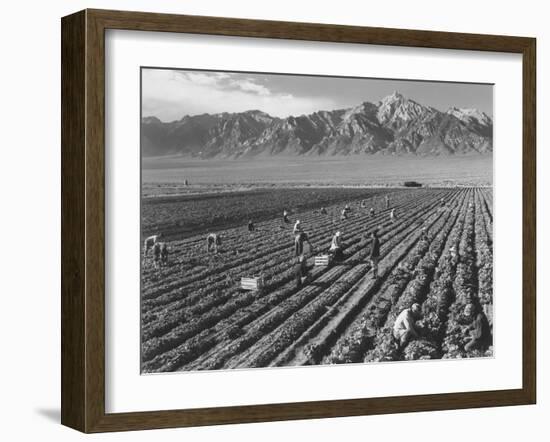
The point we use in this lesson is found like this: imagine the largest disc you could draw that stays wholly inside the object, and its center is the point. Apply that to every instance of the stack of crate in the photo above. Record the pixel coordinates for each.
(323, 260)
(255, 283)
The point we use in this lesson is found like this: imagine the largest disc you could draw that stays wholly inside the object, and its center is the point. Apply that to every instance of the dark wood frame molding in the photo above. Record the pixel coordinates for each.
(83, 217)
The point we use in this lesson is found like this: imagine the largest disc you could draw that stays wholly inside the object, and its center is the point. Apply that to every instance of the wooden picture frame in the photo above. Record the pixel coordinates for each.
(83, 220)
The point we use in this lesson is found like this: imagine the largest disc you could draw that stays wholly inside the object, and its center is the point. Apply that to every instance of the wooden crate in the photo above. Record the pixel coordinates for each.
(323, 260)
(253, 283)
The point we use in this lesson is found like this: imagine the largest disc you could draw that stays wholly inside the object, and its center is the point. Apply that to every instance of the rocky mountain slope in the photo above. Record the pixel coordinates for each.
(395, 125)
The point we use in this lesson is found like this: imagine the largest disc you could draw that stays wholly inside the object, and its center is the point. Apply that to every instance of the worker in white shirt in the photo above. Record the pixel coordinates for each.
(336, 246)
(403, 328)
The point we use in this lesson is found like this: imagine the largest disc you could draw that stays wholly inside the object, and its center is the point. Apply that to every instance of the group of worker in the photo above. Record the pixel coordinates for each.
(158, 248)
(372, 212)
(404, 328)
(336, 252)
(345, 211)
(479, 332)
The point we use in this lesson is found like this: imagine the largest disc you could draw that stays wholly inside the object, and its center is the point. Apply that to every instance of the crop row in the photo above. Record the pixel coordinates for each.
(465, 285)
(260, 248)
(184, 215)
(319, 339)
(273, 298)
(276, 264)
(193, 263)
(417, 290)
(441, 295)
(279, 266)
(277, 327)
(354, 343)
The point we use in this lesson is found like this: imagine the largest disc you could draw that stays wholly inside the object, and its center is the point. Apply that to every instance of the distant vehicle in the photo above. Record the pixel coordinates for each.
(412, 184)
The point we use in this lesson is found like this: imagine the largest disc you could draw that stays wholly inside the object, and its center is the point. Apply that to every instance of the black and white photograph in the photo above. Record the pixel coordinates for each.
(291, 220)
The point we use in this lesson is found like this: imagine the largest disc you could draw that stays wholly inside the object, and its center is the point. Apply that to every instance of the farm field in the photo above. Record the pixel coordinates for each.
(194, 316)
(184, 215)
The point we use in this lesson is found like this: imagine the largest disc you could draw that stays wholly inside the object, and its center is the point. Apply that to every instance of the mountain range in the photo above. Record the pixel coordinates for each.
(395, 125)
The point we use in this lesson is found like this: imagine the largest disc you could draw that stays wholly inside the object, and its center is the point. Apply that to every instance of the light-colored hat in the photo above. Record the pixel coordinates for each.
(338, 233)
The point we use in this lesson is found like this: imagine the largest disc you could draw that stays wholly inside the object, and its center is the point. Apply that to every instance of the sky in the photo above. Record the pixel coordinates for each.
(170, 94)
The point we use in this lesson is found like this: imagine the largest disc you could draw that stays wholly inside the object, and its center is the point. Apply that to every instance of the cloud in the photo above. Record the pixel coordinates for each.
(169, 95)
(221, 81)
(250, 86)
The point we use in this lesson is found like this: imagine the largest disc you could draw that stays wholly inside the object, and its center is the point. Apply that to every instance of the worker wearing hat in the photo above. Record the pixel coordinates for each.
(336, 246)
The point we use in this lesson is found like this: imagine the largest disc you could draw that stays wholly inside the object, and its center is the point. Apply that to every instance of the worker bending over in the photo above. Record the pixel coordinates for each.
(150, 242)
(156, 254)
(285, 217)
(424, 234)
(403, 328)
(479, 330)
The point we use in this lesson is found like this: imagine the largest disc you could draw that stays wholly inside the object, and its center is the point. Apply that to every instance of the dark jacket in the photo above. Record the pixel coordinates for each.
(156, 250)
(480, 328)
(375, 248)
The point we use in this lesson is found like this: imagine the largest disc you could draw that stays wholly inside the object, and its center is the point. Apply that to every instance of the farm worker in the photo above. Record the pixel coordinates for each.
(297, 228)
(442, 202)
(150, 242)
(156, 254)
(285, 217)
(301, 271)
(424, 234)
(479, 329)
(213, 241)
(371, 211)
(323, 211)
(336, 246)
(343, 216)
(299, 241)
(392, 215)
(347, 209)
(403, 328)
(163, 253)
(387, 202)
(251, 227)
(374, 255)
